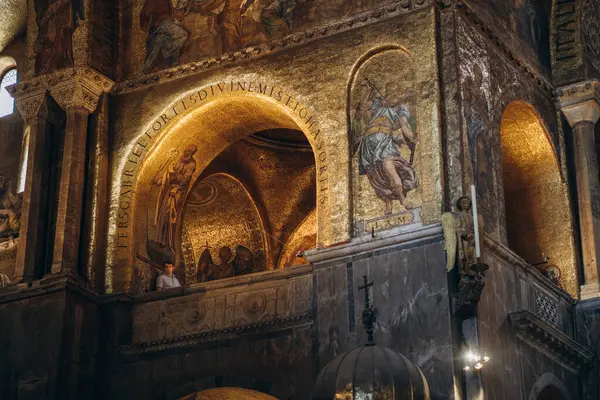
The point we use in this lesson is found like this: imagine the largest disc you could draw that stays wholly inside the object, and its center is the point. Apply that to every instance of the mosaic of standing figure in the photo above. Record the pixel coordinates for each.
(384, 139)
(173, 181)
(56, 20)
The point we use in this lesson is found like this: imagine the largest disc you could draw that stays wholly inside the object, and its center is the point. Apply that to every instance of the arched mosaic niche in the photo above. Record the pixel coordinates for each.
(197, 127)
(394, 142)
(537, 207)
(219, 212)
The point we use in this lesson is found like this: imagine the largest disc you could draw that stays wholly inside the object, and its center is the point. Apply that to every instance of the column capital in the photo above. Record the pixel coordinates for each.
(29, 104)
(71, 87)
(580, 102)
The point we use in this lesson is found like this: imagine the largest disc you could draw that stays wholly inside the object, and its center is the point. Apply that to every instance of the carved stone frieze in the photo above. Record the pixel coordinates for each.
(220, 309)
(551, 342)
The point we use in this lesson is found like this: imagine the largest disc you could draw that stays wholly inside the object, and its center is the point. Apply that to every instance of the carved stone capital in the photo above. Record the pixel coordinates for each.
(76, 93)
(79, 86)
(29, 104)
(580, 102)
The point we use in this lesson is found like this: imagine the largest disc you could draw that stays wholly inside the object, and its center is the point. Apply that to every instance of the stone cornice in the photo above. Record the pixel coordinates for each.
(277, 324)
(551, 342)
(274, 46)
(244, 280)
(404, 235)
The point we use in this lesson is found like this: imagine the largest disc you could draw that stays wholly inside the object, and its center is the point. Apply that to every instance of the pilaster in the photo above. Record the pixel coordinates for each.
(76, 91)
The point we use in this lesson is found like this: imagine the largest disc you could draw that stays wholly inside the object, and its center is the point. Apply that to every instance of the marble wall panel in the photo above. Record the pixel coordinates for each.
(410, 292)
(278, 364)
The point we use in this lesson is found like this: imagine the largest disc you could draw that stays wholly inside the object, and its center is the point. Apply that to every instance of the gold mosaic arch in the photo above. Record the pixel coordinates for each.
(211, 118)
(536, 196)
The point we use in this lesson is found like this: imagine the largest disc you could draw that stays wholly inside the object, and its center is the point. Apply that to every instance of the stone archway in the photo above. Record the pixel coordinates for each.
(228, 393)
(537, 207)
(207, 120)
(548, 387)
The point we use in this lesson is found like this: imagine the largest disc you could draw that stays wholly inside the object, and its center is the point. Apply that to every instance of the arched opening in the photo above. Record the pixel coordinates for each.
(228, 393)
(223, 191)
(7, 103)
(536, 197)
(551, 392)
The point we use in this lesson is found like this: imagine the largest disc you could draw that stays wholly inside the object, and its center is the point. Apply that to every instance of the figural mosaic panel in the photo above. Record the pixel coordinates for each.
(384, 131)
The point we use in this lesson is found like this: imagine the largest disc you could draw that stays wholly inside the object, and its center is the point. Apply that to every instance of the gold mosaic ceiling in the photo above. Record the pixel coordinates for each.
(12, 20)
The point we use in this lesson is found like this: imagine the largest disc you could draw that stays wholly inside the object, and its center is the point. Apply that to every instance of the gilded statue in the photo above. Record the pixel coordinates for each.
(459, 235)
(10, 210)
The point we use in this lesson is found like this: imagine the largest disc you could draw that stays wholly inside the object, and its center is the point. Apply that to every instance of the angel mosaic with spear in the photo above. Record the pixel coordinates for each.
(380, 128)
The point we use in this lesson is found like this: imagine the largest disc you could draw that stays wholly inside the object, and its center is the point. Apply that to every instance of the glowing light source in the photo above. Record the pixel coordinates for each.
(474, 360)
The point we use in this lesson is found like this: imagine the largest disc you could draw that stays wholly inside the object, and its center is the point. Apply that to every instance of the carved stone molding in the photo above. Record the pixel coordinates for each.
(580, 102)
(551, 342)
(186, 341)
(80, 86)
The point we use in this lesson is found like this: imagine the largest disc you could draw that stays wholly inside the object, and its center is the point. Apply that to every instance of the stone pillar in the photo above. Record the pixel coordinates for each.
(36, 111)
(34, 116)
(580, 103)
(79, 99)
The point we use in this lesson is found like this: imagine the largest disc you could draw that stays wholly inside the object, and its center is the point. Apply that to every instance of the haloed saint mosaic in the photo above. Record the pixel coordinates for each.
(385, 136)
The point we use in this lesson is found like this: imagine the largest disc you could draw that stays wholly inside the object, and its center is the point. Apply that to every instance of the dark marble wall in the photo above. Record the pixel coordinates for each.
(48, 346)
(278, 363)
(514, 365)
(30, 345)
(410, 292)
(588, 329)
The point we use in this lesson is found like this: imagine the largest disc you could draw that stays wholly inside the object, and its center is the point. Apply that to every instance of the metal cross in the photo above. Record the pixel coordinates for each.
(366, 287)
(369, 314)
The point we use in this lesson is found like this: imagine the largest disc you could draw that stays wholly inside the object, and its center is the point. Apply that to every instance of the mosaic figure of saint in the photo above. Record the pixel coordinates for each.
(56, 20)
(380, 128)
(237, 29)
(174, 184)
(162, 20)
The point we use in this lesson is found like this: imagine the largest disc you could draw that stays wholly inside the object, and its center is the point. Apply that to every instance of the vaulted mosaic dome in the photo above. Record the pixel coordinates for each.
(371, 372)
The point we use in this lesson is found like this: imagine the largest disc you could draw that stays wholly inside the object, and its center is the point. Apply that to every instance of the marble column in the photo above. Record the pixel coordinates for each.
(79, 99)
(35, 110)
(580, 103)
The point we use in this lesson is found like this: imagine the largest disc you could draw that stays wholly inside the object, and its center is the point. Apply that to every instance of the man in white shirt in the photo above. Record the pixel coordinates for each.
(167, 280)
